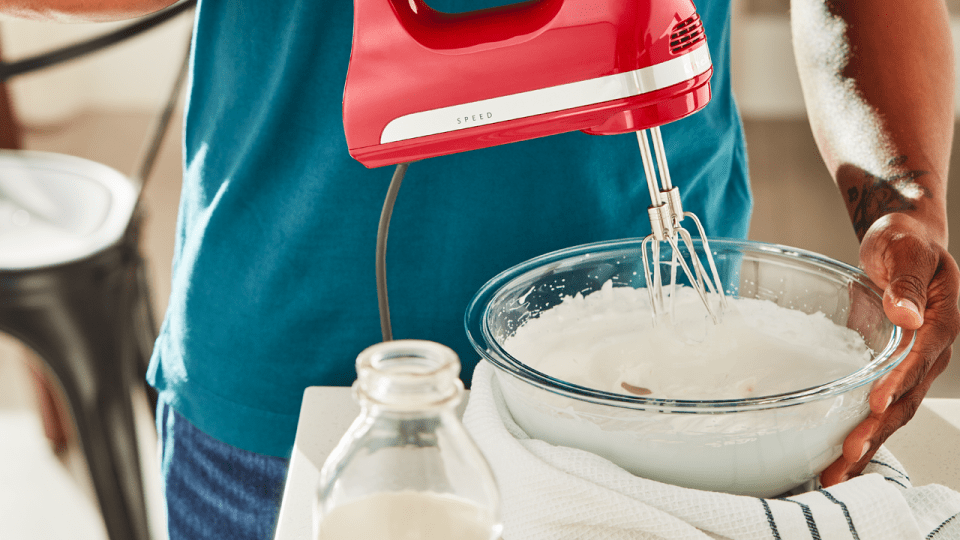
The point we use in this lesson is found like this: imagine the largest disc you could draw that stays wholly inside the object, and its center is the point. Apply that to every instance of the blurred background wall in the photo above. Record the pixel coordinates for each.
(131, 77)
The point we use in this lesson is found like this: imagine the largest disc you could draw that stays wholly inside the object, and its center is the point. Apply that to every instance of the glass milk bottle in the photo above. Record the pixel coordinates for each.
(407, 469)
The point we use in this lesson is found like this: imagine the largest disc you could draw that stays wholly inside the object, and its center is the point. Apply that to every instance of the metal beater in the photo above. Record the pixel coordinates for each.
(666, 217)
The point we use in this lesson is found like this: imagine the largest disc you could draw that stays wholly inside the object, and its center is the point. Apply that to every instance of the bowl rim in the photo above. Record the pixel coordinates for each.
(475, 322)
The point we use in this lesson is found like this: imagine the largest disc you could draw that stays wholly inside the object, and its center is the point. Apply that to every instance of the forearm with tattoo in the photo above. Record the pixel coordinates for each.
(876, 196)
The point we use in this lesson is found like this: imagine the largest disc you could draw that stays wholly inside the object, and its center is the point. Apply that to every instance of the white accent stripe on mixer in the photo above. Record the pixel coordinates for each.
(547, 100)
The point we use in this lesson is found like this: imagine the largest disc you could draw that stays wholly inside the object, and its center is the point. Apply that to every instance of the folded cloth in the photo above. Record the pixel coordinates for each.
(557, 493)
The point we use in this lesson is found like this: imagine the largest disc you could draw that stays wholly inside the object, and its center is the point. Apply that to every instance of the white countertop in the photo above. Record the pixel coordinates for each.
(928, 447)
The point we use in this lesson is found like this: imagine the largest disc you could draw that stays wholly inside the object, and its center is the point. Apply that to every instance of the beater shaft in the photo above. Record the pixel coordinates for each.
(666, 216)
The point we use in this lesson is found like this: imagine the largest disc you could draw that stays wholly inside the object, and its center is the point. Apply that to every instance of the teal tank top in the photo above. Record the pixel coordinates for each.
(273, 282)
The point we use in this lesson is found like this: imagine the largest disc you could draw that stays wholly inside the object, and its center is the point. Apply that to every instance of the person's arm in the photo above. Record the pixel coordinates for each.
(81, 10)
(878, 77)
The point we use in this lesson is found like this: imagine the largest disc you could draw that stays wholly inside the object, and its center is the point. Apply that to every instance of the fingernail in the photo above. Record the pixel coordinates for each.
(866, 448)
(845, 478)
(911, 307)
(887, 405)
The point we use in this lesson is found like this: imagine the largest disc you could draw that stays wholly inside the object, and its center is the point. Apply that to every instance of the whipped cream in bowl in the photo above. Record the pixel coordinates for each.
(758, 404)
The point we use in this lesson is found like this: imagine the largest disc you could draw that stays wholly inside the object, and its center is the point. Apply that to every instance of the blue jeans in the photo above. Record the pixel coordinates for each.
(214, 490)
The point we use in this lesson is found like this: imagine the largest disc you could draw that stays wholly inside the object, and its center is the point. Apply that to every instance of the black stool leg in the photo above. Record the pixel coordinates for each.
(144, 329)
(78, 319)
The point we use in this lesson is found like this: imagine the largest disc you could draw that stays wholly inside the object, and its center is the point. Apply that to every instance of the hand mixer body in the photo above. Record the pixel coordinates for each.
(422, 83)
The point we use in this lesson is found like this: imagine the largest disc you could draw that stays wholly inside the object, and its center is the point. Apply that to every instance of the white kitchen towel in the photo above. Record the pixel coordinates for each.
(556, 493)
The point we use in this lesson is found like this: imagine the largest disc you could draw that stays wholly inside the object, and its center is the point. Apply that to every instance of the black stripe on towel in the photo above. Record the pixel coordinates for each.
(773, 524)
(892, 468)
(895, 481)
(940, 528)
(808, 515)
(846, 512)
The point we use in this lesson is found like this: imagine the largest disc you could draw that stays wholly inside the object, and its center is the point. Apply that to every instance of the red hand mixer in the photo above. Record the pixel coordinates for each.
(423, 83)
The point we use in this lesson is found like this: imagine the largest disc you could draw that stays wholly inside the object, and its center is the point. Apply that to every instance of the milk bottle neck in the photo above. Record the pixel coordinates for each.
(408, 377)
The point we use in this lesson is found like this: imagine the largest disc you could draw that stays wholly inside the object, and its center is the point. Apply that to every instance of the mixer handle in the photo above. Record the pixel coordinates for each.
(465, 31)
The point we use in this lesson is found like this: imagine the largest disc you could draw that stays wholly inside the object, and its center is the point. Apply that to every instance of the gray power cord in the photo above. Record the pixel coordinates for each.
(381, 264)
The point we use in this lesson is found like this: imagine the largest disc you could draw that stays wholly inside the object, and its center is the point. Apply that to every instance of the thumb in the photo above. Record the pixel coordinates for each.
(904, 265)
(903, 302)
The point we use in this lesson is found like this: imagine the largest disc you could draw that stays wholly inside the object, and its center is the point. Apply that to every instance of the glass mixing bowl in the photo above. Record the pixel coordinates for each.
(761, 446)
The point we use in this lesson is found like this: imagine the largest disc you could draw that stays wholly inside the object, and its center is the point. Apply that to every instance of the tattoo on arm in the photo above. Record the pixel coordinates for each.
(878, 196)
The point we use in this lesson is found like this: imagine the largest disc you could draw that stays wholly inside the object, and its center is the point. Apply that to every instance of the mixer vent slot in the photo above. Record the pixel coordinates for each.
(686, 34)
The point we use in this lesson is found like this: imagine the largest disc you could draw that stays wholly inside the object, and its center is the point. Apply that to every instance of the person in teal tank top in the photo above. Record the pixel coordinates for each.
(273, 278)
